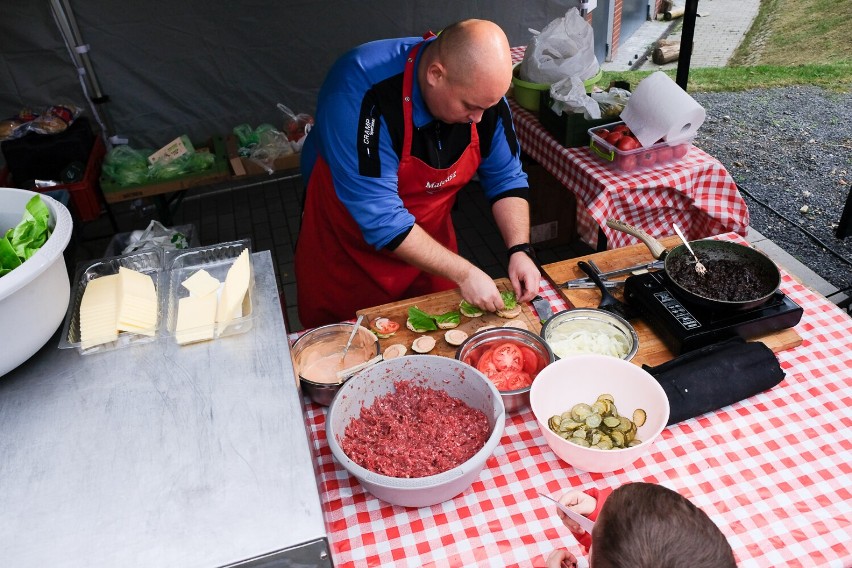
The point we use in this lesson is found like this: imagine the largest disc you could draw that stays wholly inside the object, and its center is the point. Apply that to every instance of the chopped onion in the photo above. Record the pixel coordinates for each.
(601, 342)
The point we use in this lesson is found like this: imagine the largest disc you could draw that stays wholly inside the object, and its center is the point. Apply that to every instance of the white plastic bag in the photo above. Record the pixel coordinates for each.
(569, 95)
(564, 48)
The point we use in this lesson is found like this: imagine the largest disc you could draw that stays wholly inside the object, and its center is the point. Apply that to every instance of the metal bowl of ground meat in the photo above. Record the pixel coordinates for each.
(415, 431)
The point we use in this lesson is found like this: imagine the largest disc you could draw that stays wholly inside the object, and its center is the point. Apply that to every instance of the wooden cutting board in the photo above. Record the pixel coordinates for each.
(440, 303)
(652, 350)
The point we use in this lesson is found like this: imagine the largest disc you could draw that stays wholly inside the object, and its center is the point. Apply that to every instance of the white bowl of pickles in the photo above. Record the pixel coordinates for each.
(598, 413)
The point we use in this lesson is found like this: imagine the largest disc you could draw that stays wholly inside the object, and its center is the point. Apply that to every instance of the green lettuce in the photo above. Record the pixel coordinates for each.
(27, 237)
(509, 300)
(469, 309)
(420, 320)
(448, 320)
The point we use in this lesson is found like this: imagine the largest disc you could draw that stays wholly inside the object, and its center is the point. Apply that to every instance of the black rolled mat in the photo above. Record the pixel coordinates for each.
(715, 376)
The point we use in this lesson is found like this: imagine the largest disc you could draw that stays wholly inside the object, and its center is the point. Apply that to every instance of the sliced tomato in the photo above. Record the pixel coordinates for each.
(500, 380)
(486, 363)
(508, 356)
(511, 380)
(384, 327)
(530, 361)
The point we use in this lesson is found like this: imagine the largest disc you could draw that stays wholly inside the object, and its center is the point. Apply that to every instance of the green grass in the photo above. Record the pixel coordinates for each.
(791, 42)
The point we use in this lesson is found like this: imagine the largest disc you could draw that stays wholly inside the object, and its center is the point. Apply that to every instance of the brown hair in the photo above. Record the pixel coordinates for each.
(644, 525)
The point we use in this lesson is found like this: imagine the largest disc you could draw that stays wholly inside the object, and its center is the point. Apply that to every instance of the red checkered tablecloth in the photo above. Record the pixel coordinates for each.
(696, 192)
(772, 471)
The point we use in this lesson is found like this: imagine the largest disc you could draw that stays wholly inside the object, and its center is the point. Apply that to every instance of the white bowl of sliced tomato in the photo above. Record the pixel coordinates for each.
(511, 358)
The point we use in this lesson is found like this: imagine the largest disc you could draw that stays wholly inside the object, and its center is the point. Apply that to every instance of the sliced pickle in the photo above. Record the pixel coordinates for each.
(611, 422)
(554, 423)
(580, 411)
(598, 425)
(593, 420)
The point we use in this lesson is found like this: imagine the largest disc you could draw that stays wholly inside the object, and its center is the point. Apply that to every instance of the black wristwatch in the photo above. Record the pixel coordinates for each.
(523, 247)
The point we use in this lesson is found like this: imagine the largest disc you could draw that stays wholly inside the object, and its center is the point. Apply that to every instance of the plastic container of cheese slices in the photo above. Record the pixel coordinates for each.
(216, 261)
(147, 261)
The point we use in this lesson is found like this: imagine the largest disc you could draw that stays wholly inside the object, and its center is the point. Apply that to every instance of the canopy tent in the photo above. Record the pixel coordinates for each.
(165, 68)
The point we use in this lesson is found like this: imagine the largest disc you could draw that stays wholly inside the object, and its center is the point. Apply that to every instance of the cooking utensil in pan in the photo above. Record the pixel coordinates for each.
(738, 276)
(699, 268)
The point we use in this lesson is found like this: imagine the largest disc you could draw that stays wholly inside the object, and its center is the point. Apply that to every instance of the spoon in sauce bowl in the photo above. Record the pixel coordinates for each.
(351, 337)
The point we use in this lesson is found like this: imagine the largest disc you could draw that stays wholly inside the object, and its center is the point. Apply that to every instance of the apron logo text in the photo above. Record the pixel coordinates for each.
(436, 185)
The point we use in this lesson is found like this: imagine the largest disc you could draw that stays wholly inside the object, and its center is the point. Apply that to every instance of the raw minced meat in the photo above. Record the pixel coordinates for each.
(414, 432)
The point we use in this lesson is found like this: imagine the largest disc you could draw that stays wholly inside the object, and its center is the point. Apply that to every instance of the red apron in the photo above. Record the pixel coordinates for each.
(337, 272)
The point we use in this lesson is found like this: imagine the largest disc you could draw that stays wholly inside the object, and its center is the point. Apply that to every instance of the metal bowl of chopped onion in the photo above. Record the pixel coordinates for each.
(580, 331)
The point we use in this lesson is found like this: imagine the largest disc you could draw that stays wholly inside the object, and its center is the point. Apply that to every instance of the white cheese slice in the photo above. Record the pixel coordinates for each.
(234, 291)
(99, 311)
(195, 318)
(201, 283)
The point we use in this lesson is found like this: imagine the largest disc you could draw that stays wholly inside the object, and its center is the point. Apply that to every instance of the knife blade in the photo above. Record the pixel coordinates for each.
(580, 282)
(542, 308)
(585, 523)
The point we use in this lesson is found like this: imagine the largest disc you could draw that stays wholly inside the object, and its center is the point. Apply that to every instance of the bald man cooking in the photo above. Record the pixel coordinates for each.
(401, 126)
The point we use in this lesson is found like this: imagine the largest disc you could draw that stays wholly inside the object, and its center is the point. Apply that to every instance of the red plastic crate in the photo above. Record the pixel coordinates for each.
(86, 196)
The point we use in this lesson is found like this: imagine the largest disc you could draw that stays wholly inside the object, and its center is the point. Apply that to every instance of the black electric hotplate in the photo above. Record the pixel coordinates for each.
(684, 326)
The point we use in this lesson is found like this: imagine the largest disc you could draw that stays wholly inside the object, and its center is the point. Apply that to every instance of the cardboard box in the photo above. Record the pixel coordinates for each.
(553, 208)
(246, 167)
(114, 193)
(174, 149)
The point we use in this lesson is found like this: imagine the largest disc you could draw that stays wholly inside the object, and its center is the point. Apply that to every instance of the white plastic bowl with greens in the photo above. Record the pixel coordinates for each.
(34, 294)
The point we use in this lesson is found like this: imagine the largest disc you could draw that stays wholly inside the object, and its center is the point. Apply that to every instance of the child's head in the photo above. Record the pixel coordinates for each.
(646, 525)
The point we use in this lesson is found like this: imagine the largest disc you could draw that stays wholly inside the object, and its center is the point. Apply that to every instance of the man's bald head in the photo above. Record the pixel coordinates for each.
(470, 64)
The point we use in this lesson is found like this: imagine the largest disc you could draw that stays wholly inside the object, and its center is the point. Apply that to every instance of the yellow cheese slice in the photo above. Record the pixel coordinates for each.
(195, 318)
(137, 309)
(234, 291)
(201, 283)
(99, 311)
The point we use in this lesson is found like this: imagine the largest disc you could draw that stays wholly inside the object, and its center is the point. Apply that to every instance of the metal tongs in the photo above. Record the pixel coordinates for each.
(586, 282)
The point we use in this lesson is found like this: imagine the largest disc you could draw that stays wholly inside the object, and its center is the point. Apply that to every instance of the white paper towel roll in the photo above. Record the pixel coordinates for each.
(659, 108)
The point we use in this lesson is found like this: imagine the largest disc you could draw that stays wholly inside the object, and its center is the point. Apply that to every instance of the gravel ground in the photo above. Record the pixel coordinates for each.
(790, 151)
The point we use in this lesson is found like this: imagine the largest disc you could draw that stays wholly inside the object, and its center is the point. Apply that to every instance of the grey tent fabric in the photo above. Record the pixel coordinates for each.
(200, 68)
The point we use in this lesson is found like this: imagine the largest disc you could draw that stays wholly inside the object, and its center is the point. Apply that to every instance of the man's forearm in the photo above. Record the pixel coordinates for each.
(421, 250)
(512, 215)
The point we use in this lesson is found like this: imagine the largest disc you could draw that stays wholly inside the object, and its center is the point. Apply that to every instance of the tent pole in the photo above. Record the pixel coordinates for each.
(78, 51)
(686, 39)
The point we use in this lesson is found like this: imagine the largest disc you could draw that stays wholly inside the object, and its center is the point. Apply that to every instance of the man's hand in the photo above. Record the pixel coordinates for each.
(479, 289)
(524, 275)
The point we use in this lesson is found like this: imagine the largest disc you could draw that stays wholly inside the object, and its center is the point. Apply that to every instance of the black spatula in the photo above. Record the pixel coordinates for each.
(608, 302)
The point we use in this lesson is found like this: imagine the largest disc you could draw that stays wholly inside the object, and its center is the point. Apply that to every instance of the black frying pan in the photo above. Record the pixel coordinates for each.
(738, 277)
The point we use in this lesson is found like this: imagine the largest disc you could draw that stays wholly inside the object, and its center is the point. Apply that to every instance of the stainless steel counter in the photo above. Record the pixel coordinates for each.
(160, 455)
